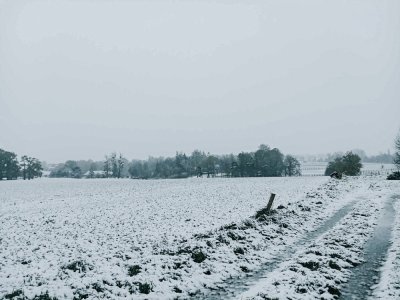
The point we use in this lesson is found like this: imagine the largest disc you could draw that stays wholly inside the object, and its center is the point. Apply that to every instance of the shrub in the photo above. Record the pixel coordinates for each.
(17, 295)
(394, 176)
(238, 251)
(145, 288)
(349, 164)
(134, 270)
(244, 269)
(78, 266)
(198, 256)
(312, 265)
(44, 296)
(177, 290)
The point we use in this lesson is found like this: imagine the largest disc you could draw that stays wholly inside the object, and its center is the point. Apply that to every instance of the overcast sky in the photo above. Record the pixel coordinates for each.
(79, 79)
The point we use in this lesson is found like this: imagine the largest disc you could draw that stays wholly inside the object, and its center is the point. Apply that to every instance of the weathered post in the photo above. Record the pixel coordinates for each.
(265, 211)
(270, 202)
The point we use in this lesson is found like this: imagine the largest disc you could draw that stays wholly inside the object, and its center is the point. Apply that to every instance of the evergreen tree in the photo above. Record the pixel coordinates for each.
(9, 167)
(349, 164)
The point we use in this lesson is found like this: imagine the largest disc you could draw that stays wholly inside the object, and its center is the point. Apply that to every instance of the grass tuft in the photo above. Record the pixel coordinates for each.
(134, 270)
(198, 256)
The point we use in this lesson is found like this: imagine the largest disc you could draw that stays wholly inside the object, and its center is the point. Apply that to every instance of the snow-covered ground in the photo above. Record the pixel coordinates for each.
(322, 268)
(164, 239)
(389, 284)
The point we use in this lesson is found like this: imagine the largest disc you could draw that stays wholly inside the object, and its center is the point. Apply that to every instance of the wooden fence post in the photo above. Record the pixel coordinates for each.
(270, 202)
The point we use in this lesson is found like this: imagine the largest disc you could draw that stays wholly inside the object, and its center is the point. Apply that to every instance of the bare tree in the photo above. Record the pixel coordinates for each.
(121, 164)
(107, 167)
(397, 154)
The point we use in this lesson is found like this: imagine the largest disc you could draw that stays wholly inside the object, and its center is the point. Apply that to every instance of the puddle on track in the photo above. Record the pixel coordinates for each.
(365, 276)
(233, 287)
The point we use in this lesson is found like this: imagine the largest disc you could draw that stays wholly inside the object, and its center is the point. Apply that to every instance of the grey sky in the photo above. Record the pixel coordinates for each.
(79, 79)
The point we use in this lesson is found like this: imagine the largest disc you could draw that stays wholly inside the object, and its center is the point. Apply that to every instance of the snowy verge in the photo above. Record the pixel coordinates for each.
(389, 285)
(321, 269)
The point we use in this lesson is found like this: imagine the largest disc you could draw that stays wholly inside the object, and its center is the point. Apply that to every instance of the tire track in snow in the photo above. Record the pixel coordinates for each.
(364, 277)
(235, 286)
(321, 270)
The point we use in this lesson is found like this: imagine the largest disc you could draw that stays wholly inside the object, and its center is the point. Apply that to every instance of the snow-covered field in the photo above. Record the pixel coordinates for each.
(318, 168)
(165, 239)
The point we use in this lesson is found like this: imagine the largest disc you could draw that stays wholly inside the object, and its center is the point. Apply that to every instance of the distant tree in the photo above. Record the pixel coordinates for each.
(383, 158)
(197, 159)
(9, 167)
(144, 169)
(23, 166)
(292, 166)
(114, 164)
(92, 168)
(235, 171)
(269, 162)
(60, 171)
(396, 159)
(181, 166)
(69, 169)
(199, 172)
(276, 162)
(147, 169)
(166, 168)
(73, 170)
(211, 165)
(246, 164)
(107, 167)
(85, 165)
(225, 162)
(261, 160)
(333, 156)
(30, 167)
(120, 165)
(135, 169)
(349, 164)
(264, 162)
(361, 153)
(34, 168)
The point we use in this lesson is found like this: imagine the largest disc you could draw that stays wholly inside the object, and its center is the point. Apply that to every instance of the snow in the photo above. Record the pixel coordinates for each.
(76, 238)
(389, 285)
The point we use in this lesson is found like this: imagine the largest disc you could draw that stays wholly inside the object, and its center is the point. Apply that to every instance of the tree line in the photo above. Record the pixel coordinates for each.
(11, 168)
(350, 163)
(114, 166)
(264, 162)
(383, 158)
